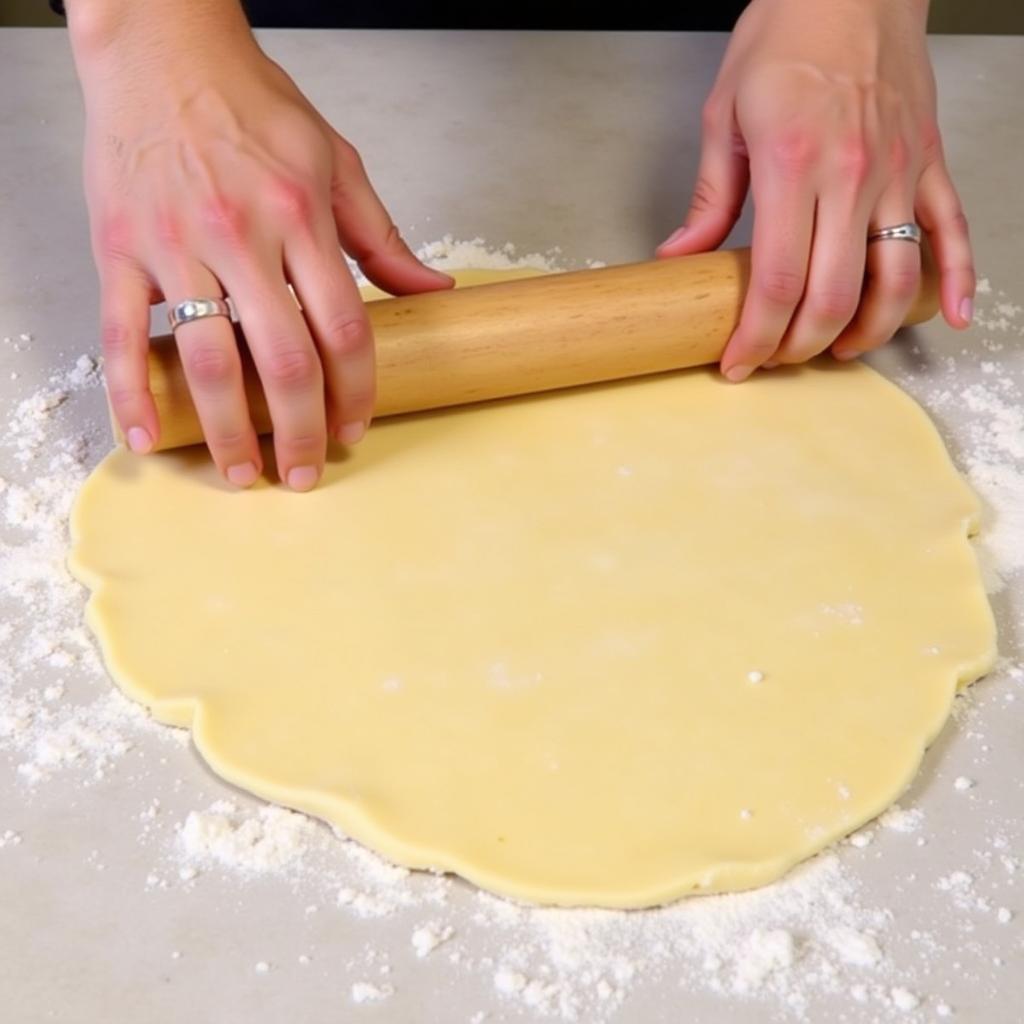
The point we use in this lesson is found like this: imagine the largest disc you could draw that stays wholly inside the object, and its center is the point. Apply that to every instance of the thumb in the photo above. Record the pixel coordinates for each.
(367, 232)
(722, 179)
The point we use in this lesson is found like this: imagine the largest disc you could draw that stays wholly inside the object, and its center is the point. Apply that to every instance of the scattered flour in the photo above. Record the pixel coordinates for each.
(815, 934)
(904, 999)
(900, 819)
(270, 840)
(368, 992)
(428, 937)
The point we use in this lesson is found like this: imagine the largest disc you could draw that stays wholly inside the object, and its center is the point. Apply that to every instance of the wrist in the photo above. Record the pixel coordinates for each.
(127, 32)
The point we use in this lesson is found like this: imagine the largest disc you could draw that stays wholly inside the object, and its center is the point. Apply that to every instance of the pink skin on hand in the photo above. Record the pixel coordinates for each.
(828, 118)
(209, 173)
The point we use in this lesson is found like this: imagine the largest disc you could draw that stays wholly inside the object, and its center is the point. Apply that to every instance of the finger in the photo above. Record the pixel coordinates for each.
(289, 368)
(341, 330)
(893, 277)
(721, 187)
(834, 280)
(784, 204)
(124, 333)
(213, 370)
(941, 215)
(369, 235)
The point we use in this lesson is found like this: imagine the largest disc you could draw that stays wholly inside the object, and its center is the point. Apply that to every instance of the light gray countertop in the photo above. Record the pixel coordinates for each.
(587, 143)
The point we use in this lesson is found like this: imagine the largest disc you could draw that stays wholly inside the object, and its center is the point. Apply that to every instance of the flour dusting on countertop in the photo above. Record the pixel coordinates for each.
(822, 930)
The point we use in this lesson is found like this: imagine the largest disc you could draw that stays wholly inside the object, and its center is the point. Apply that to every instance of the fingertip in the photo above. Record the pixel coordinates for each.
(140, 440)
(441, 280)
(243, 474)
(959, 314)
(845, 355)
(676, 237)
(737, 373)
(303, 478)
(351, 433)
(406, 277)
(690, 239)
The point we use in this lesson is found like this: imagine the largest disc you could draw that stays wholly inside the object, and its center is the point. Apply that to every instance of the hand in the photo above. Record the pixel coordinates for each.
(828, 112)
(207, 173)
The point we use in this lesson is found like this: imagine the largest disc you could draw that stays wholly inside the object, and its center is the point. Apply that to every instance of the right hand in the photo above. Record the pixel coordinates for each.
(207, 172)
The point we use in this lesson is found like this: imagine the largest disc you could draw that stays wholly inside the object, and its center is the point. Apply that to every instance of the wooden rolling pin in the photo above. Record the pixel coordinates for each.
(527, 335)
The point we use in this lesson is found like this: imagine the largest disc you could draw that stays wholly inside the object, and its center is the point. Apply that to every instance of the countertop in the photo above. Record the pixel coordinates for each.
(588, 144)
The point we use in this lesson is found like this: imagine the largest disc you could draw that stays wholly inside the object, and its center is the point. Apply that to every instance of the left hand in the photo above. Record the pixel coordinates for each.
(828, 112)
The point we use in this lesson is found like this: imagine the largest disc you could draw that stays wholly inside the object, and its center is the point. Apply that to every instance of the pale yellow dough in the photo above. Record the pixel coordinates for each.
(604, 647)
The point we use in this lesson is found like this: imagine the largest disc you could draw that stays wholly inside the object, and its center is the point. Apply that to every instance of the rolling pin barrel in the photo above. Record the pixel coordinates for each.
(528, 335)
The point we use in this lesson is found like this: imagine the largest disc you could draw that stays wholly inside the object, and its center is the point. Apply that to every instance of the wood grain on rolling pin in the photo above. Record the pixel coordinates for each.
(526, 335)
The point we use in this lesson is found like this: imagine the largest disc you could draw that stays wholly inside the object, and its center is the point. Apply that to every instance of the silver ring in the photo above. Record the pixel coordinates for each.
(901, 232)
(196, 309)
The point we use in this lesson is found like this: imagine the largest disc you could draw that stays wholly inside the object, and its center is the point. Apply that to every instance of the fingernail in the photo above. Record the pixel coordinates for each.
(967, 310)
(352, 433)
(738, 373)
(243, 475)
(674, 237)
(844, 355)
(139, 440)
(770, 365)
(303, 478)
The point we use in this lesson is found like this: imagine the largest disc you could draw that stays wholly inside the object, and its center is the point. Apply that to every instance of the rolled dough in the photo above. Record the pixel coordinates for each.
(605, 647)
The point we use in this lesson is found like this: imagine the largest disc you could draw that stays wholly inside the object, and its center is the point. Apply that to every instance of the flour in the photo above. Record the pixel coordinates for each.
(272, 840)
(900, 819)
(786, 942)
(820, 932)
(904, 999)
(368, 992)
(428, 937)
(451, 254)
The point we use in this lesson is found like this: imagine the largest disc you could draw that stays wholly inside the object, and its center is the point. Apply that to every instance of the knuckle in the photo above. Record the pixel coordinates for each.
(855, 160)
(299, 446)
(118, 340)
(708, 199)
(394, 243)
(834, 303)
(360, 398)
(958, 221)
(711, 114)
(167, 228)
(931, 139)
(900, 156)
(347, 156)
(758, 346)
(902, 283)
(794, 152)
(349, 171)
(293, 202)
(291, 367)
(227, 439)
(704, 196)
(347, 335)
(798, 353)
(782, 287)
(209, 365)
(225, 219)
(122, 397)
(114, 238)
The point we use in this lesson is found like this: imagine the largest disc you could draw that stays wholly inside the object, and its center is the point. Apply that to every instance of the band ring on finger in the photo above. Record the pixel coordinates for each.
(908, 232)
(187, 310)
